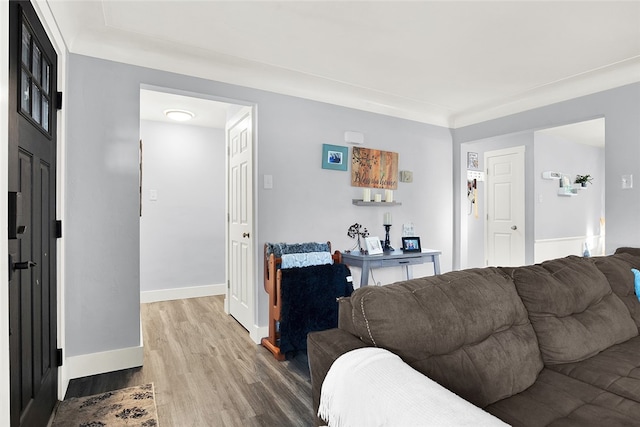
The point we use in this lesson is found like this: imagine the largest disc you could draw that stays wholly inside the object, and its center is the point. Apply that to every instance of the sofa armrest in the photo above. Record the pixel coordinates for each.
(323, 348)
(628, 250)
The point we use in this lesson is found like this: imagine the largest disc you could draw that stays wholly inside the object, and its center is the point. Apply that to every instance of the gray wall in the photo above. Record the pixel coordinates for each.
(182, 232)
(621, 109)
(562, 216)
(306, 202)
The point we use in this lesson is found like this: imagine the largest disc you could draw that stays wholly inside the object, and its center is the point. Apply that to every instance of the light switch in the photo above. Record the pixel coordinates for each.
(627, 182)
(153, 195)
(268, 182)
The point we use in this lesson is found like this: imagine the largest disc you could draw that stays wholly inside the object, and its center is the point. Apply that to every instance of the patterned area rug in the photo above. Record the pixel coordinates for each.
(134, 406)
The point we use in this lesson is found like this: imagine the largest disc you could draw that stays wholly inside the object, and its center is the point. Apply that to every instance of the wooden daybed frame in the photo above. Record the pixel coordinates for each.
(272, 285)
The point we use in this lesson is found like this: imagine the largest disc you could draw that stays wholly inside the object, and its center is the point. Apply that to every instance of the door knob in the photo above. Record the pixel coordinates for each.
(513, 227)
(245, 234)
(24, 265)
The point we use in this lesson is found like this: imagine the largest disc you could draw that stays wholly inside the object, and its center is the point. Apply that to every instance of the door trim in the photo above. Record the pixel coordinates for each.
(5, 402)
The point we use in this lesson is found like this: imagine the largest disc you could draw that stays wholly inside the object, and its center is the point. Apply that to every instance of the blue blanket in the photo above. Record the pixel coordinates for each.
(308, 298)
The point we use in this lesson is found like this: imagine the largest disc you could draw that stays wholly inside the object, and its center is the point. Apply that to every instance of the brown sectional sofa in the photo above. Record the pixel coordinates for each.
(553, 344)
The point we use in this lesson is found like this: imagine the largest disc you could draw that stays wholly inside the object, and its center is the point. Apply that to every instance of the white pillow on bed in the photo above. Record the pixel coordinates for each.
(306, 259)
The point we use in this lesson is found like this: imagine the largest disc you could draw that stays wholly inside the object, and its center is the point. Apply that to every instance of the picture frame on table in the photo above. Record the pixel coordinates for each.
(411, 244)
(335, 157)
(373, 245)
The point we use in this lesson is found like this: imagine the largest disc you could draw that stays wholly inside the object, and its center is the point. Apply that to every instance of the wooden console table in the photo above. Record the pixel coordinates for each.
(396, 258)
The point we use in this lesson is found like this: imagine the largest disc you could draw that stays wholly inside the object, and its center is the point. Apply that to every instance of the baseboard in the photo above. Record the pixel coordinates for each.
(106, 361)
(182, 293)
(258, 333)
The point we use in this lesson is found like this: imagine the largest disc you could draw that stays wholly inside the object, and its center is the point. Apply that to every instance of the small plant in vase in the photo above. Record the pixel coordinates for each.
(583, 180)
(355, 232)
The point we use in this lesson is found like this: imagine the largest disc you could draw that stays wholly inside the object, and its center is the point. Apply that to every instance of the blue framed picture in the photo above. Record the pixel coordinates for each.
(334, 157)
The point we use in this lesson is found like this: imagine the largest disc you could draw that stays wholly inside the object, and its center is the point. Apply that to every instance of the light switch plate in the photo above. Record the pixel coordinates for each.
(627, 182)
(268, 182)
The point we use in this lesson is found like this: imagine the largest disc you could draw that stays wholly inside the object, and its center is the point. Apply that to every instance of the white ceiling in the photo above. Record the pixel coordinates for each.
(590, 132)
(207, 113)
(448, 63)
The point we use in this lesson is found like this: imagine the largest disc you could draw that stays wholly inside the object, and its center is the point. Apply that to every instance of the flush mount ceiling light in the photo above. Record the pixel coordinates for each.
(179, 115)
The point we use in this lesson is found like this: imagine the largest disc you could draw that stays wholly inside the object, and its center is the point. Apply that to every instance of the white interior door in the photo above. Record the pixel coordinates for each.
(505, 203)
(240, 234)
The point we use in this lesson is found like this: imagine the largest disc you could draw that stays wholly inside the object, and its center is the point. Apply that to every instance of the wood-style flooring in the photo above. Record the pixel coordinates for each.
(208, 372)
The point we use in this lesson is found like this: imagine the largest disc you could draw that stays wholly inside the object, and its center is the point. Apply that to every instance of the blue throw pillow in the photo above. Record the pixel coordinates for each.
(636, 275)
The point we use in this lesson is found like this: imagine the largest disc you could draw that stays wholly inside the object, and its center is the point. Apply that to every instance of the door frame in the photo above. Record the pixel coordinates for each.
(256, 333)
(46, 18)
(520, 149)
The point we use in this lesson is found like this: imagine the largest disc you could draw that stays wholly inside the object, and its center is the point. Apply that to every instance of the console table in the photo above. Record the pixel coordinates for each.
(396, 258)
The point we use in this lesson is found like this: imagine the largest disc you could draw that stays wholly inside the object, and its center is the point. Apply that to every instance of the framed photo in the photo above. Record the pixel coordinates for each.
(411, 244)
(472, 160)
(334, 157)
(373, 245)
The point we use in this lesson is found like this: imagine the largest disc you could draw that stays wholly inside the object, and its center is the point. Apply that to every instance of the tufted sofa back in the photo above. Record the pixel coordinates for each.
(467, 330)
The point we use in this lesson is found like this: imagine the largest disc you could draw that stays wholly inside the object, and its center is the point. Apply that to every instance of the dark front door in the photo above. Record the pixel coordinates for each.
(32, 236)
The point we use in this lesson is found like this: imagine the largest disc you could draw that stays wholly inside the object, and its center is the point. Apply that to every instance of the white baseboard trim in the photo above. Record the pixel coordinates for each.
(258, 333)
(106, 361)
(182, 293)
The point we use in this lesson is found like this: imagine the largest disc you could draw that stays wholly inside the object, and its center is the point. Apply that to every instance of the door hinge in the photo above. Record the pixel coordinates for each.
(228, 284)
(59, 100)
(58, 229)
(59, 357)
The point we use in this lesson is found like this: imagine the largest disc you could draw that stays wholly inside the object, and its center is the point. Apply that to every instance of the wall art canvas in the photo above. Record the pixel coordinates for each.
(374, 168)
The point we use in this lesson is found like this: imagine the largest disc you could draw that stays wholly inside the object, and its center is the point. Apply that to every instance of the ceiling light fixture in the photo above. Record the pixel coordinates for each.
(179, 115)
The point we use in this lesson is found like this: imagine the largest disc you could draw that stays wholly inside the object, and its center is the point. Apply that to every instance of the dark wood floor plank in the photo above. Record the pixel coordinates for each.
(207, 371)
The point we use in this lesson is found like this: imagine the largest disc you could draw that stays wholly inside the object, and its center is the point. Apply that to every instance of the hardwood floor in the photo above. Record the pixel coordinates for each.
(208, 372)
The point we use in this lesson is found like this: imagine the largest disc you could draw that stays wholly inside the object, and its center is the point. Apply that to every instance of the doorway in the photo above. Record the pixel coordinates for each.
(184, 198)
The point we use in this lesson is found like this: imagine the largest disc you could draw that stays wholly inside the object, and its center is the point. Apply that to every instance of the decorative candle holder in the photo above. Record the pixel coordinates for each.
(387, 242)
(386, 222)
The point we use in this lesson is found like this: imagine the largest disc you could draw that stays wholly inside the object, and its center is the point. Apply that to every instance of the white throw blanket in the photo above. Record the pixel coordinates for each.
(373, 387)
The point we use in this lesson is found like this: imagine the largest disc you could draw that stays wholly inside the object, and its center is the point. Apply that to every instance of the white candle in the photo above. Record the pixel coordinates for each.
(388, 195)
(366, 195)
(377, 197)
(387, 218)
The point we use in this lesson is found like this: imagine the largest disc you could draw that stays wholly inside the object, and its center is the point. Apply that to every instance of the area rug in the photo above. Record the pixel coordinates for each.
(133, 406)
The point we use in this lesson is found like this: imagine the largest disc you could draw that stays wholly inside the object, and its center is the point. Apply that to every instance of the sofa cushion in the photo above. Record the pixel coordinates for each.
(468, 330)
(572, 309)
(558, 400)
(617, 269)
(616, 369)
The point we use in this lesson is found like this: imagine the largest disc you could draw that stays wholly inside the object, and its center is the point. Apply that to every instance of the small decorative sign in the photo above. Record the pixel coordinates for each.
(374, 168)
(472, 160)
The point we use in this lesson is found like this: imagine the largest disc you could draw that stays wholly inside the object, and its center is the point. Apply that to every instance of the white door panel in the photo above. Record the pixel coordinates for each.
(505, 244)
(240, 227)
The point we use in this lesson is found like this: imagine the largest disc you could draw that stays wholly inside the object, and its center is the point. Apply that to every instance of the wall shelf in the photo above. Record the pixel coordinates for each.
(567, 191)
(360, 202)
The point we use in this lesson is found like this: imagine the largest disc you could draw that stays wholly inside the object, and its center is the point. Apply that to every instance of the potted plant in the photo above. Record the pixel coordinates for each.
(583, 180)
